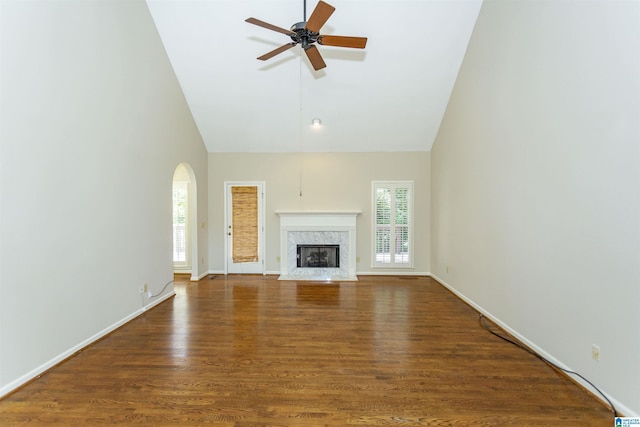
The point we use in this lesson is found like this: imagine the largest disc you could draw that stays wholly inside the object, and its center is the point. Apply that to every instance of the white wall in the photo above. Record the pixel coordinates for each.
(536, 182)
(330, 181)
(93, 125)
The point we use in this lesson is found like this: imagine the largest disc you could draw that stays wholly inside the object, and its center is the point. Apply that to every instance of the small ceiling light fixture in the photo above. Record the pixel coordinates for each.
(316, 123)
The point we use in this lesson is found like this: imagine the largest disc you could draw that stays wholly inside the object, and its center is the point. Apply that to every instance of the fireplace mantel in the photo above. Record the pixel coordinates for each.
(318, 214)
(316, 227)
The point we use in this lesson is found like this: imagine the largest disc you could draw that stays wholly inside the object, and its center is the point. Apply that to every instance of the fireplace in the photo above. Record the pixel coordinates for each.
(318, 256)
(318, 245)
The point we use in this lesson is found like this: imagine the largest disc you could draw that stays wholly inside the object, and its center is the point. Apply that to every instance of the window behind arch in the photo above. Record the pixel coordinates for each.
(180, 213)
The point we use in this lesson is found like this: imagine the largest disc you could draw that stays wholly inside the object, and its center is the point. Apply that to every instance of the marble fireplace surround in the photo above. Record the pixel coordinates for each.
(318, 227)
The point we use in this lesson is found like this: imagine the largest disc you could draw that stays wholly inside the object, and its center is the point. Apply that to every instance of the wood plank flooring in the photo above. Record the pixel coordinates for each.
(254, 351)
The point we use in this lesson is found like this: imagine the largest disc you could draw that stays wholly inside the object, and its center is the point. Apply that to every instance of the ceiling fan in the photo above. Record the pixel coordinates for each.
(307, 32)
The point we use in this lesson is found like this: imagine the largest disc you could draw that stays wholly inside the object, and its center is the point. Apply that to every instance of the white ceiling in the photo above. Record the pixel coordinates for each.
(390, 96)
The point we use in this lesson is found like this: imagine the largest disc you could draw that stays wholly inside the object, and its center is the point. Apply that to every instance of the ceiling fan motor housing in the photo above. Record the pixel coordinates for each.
(303, 35)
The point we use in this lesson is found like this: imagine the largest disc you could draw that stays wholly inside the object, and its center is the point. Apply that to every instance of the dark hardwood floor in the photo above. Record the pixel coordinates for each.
(255, 351)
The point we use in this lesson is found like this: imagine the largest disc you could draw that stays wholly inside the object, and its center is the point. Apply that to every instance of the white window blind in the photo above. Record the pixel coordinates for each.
(180, 206)
(392, 224)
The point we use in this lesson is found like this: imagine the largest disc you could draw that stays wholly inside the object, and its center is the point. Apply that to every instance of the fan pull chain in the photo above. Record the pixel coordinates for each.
(300, 116)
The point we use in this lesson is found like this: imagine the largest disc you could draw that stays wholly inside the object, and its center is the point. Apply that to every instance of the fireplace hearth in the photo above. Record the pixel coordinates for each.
(318, 256)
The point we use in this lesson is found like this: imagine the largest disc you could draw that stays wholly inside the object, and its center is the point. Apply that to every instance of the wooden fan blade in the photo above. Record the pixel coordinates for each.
(276, 51)
(315, 58)
(343, 41)
(319, 16)
(268, 26)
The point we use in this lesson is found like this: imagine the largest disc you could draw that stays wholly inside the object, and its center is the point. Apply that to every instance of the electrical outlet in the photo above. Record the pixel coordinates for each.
(145, 288)
(595, 352)
(277, 259)
(447, 269)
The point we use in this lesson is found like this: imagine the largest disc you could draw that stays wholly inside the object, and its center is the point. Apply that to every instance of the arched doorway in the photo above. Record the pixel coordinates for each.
(185, 230)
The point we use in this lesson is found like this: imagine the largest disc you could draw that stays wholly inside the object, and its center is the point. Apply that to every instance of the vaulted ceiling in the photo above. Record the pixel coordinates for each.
(391, 96)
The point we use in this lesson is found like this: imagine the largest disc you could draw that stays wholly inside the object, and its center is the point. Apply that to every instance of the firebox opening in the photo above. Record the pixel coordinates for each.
(318, 256)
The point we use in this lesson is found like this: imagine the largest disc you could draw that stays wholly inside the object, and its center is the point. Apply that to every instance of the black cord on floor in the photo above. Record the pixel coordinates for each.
(160, 293)
(545, 360)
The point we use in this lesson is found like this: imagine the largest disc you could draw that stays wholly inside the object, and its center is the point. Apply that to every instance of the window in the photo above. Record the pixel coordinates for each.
(393, 224)
(180, 203)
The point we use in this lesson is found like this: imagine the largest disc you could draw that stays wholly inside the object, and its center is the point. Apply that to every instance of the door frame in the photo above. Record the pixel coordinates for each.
(261, 220)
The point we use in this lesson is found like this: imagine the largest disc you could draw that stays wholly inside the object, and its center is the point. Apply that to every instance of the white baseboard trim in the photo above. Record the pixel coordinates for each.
(200, 277)
(620, 407)
(222, 273)
(37, 372)
(392, 273)
(192, 278)
(157, 301)
(215, 272)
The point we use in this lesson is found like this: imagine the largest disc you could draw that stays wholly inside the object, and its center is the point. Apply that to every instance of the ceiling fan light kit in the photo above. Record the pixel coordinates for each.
(307, 34)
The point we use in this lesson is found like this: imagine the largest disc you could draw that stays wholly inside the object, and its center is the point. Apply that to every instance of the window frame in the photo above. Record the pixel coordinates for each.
(392, 186)
(182, 188)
